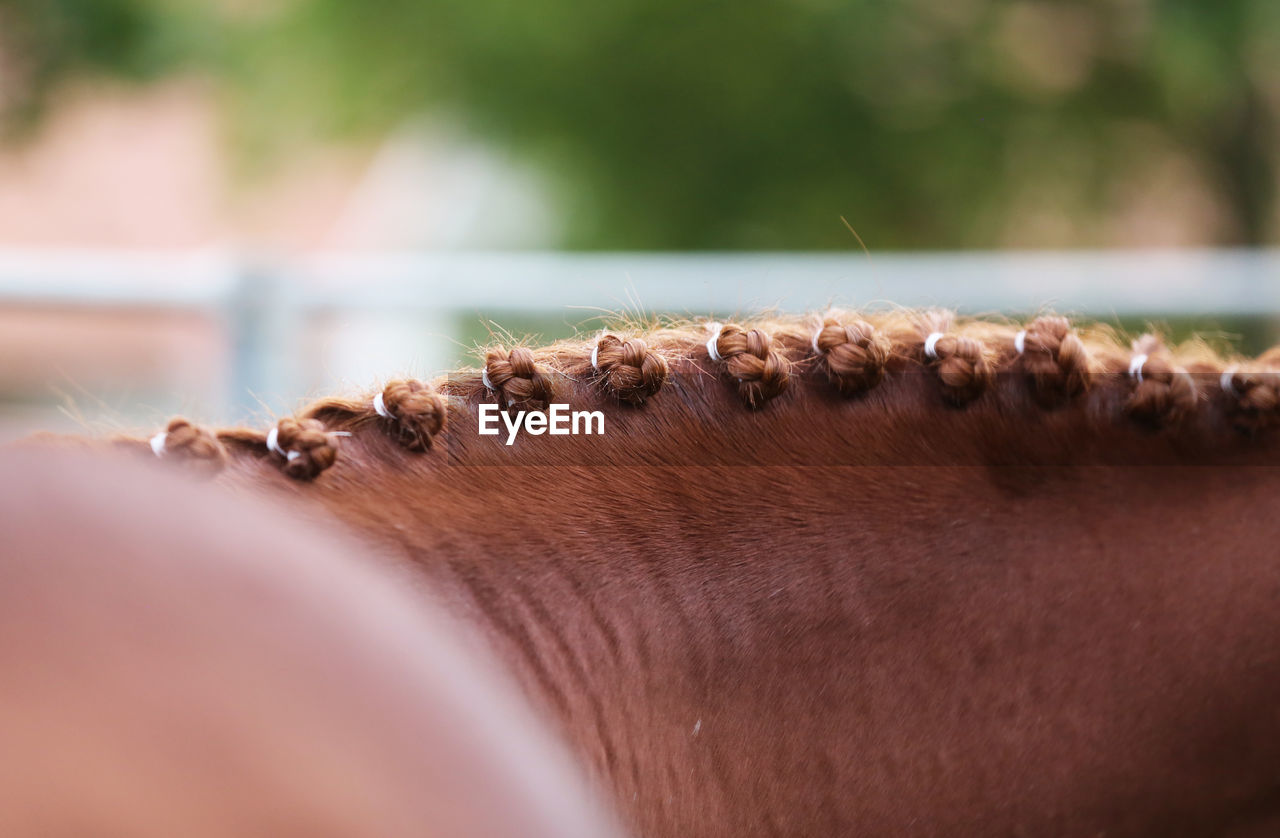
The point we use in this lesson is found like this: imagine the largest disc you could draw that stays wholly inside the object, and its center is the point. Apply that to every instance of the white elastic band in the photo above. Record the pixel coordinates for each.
(715, 329)
(157, 443)
(273, 444)
(380, 407)
(816, 335)
(931, 344)
(595, 355)
(1229, 380)
(484, 376)
(1136, 365)
(1020, 341)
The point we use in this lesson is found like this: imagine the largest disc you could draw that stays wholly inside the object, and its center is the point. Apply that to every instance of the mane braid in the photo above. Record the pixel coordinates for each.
(848, 353)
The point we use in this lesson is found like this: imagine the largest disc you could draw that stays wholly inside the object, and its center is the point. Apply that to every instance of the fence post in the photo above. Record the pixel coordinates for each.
(263, 324)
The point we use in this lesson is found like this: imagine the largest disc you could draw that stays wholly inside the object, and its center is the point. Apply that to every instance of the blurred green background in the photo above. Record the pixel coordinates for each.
(757, 124)
(155, 151)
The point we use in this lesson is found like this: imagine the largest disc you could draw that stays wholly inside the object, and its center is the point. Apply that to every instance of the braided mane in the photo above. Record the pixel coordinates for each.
(1159, 387)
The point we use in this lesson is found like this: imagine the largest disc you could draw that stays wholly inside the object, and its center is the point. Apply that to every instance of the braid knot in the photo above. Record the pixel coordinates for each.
(195, 446)
(308, 448)
(1163, 394)
(1056, 361)
(962, 364)
(516, 378)
(629, 368)
(762, 372)
(1255, 398)
(853, 354)
(414, 411)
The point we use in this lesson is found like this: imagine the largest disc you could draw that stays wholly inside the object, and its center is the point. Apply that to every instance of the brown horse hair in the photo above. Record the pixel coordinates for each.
(848, 353)
(517, 379)
(1163, 393)
(1054, 359)
(749, 356)
(853, 353)
(628, 368)
(410, 412)
(1253, 395)
(192, 445)
(963, 363)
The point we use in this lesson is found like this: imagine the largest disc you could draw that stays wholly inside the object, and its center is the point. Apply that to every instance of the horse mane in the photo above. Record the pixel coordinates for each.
(1061, 366)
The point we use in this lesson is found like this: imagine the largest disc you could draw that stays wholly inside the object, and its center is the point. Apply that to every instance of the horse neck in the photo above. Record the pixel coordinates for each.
(649, 604)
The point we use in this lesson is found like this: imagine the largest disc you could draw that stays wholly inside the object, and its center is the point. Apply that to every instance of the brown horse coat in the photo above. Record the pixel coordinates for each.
(943, 580)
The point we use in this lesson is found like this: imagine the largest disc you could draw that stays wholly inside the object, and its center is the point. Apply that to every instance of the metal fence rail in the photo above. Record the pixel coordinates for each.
(263, 301)
(1121, 282)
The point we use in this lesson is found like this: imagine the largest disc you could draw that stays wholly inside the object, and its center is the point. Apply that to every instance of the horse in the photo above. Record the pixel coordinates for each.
(852, 573)
(178, 661)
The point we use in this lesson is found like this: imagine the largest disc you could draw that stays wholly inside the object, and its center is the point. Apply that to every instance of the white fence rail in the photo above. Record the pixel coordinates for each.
(398, 305)
(1123, 282)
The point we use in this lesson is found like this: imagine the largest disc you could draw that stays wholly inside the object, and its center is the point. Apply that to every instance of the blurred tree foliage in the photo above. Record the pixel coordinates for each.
(44, 41)
(756, 123)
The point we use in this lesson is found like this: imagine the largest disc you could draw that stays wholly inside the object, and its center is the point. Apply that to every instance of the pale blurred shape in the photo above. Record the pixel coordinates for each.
(1051, 47)
(149, 168)
(141, 169)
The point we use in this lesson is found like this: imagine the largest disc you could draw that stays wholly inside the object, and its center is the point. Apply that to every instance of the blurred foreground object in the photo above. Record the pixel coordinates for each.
(178, 662)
